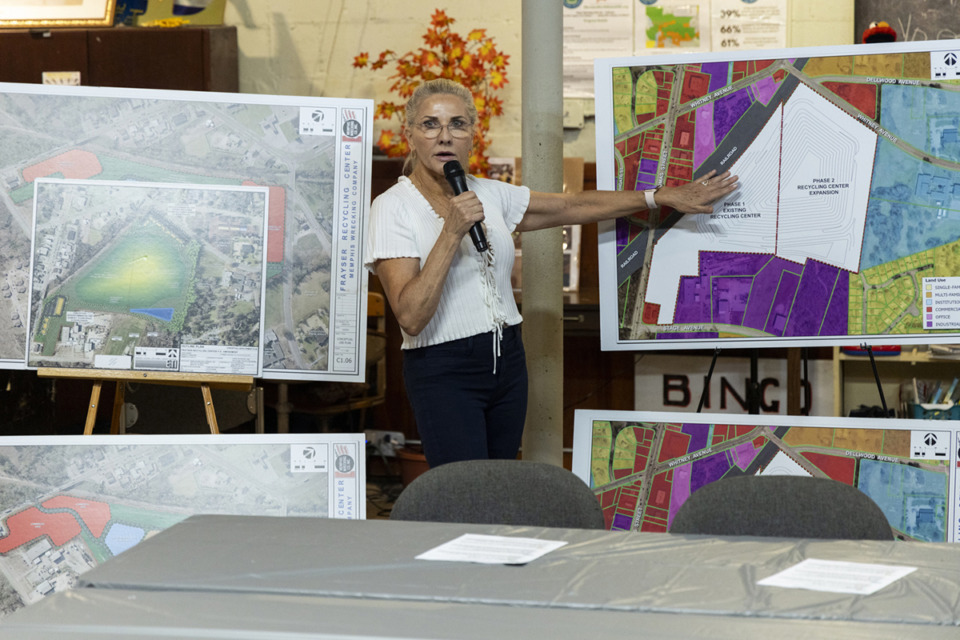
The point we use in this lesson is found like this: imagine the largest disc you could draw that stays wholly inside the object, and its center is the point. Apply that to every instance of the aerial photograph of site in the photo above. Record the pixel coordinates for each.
(129, 275)
(69, 507)
(165, 138)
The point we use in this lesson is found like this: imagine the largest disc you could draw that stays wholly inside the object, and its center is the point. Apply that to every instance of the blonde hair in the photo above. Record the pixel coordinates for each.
(440, 86)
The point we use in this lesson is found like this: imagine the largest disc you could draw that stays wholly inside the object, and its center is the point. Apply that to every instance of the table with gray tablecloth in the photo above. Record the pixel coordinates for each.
(108, 614)
(372, 565)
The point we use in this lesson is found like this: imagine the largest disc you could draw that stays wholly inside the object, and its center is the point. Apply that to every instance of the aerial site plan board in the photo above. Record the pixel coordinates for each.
(188, 232)
(72, 502)
(845, 227)
(644, 465)
(132, 275)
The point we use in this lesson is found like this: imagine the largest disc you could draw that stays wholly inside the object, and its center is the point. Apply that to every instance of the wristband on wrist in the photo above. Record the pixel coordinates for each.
(649, 195)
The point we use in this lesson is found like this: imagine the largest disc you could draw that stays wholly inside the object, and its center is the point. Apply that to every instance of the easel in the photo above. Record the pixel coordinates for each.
(796, 382)
(206, 382)
(376, 364)
(876, 376)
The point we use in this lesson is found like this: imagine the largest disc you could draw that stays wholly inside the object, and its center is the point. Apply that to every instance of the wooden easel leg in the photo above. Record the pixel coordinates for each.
(92, 409)
(257, 395)
(118, 400)
(208, 407)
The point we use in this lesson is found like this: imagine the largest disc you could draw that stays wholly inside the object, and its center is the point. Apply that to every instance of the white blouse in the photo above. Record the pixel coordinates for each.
(477, 296)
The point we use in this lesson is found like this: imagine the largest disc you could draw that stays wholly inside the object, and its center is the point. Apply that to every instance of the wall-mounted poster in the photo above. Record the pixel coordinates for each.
(844, 227)
(56, 13)
(644, 465)
(192, 232)
(610, 28)
(72, 502)
(748, 24)
(671, 26)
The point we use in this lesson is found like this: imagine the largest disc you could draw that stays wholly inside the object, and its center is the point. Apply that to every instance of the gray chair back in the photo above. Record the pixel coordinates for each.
(511, 492)
(782, 506)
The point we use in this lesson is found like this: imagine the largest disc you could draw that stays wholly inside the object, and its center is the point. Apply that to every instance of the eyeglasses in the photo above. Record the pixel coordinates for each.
(457, 129)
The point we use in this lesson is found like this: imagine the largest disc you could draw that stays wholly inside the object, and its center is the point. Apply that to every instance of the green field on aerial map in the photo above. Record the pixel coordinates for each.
(146, 267)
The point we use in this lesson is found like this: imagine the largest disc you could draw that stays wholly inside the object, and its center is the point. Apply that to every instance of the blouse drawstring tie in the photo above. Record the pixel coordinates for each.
(492, 299)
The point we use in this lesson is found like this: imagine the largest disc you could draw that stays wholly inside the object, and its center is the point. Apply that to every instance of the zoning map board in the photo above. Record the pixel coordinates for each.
(72, 502)
(845, 227)
(183, 231)
(644, 465)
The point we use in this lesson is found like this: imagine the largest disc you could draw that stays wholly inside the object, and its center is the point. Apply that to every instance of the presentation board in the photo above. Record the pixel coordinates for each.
(644, 465)
(125, 276)
(183, 231)
(72, 502)
(844, 229)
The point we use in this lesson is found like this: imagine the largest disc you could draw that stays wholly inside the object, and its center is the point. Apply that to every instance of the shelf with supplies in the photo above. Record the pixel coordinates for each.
(856, 386)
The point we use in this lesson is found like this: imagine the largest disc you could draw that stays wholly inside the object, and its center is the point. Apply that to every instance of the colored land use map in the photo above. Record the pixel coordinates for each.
(667, 28)
(643, 467)
(308, 155)
(68, 507)
(847, 218)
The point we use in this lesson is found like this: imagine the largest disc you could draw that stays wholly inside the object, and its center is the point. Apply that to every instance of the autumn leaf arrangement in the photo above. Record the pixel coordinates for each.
(473, 61)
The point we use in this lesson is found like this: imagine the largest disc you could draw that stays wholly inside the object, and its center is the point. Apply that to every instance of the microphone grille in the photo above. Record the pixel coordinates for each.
(452, 168)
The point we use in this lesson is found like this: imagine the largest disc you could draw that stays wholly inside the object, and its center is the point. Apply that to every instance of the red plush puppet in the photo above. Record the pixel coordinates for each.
(879, 32)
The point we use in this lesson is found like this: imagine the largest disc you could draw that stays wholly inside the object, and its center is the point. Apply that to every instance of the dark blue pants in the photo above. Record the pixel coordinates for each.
(465, 411)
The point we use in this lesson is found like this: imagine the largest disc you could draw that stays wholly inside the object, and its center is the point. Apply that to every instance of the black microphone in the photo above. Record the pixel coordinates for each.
(454, 174)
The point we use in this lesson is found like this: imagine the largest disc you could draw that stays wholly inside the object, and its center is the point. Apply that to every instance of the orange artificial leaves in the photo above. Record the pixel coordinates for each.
(473, 61)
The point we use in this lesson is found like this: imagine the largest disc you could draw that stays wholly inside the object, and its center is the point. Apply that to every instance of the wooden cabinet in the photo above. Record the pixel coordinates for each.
(185, 58)
(27, 54)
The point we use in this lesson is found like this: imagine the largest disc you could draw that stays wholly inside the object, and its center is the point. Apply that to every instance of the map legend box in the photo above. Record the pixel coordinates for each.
(930, 445)
(944, 65)
(941, 303)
